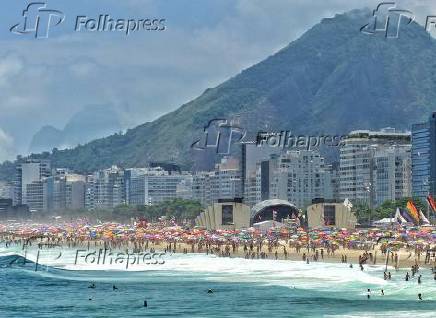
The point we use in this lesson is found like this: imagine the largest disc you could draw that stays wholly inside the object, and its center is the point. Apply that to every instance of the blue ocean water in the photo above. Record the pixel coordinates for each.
(242, 288)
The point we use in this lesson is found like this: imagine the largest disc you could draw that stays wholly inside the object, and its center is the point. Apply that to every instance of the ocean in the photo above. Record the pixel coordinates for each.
(178, 286)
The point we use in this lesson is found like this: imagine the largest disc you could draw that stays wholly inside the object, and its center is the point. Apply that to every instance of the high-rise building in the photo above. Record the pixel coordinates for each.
(75, 187)
(105, 189)
(373, 166)
(31, 184)
(298, 176)
(146, 186)
(424, 158)
(90, 196)
(252, 157)
(224, 182)
(6, 190)
(201, 187)
(392, 173)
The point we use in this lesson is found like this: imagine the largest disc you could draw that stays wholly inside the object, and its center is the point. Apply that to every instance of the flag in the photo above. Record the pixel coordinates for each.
(431, 203)
(413, 211)
(348, 204)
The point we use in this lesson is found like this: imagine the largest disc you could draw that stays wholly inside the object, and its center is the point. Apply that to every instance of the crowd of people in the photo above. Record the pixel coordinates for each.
(397, 247)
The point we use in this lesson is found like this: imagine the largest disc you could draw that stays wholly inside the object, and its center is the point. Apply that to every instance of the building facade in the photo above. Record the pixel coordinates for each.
(424, 158)
(31, 185)
(374, 166)
(224, 182)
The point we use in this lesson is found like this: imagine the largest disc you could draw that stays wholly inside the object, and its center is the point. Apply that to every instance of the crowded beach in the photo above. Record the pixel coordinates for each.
(397, 247)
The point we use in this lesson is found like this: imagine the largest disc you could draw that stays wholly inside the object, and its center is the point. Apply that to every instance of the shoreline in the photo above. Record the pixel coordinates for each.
(406, 258)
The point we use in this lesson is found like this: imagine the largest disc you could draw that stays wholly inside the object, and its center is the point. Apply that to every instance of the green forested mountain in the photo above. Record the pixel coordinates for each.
(333, 79)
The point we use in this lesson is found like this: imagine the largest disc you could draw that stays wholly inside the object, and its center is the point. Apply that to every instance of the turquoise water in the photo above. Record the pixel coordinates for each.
(178, 288)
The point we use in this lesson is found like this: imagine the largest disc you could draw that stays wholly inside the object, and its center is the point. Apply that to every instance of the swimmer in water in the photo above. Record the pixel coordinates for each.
(210, 291)
(92, 286)
(114, 287)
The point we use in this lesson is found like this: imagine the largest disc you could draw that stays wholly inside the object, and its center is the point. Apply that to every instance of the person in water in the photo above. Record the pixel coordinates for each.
(382, 292)
(92, 286)
(114, 287)
(420, 296)
(210, 291)
(369, 294)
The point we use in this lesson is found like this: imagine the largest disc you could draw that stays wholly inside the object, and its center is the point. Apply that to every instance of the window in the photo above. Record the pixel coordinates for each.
(227, 215)
(330, 215)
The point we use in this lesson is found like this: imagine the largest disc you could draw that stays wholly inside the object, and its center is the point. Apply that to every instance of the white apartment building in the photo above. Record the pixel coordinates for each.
(374, 166)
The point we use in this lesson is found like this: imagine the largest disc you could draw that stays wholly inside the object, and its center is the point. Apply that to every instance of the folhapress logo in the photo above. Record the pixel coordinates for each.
(38, 20)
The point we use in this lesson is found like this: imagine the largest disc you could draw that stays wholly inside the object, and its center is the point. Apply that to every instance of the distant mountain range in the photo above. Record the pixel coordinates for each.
(92, 122)
(333, 79)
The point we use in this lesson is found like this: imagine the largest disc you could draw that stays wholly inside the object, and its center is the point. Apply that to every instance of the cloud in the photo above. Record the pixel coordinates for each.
(45, 82)
(9, 66)
(7, 151)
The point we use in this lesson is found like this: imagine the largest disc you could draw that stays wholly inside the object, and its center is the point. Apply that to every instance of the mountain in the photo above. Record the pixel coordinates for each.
(47, 138)
(93, 121)
(333, 79)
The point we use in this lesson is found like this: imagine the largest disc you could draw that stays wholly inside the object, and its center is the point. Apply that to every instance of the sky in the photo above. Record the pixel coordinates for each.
(148, 73)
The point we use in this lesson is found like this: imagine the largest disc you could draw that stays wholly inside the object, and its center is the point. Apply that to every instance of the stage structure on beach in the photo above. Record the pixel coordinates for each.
(233, 214)
(226, 214)
(273, 210)
(330, 214)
